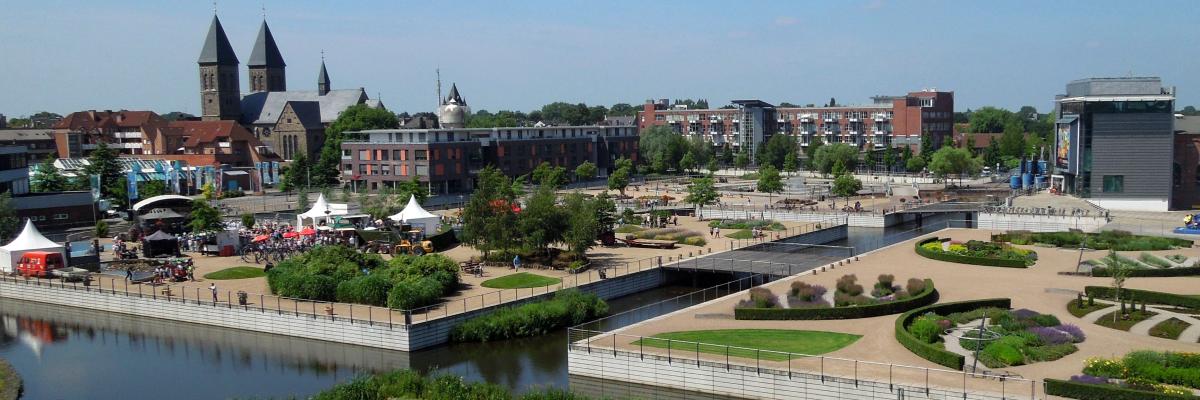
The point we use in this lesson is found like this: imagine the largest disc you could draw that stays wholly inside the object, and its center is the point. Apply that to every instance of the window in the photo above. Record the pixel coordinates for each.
(1198, 175)
(420, 155)
(396, 155)
(1114, 183)
(61, 216)
(1177, 175)
(364, 155)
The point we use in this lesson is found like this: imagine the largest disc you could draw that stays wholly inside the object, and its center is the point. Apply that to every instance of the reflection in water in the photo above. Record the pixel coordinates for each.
(69, 353)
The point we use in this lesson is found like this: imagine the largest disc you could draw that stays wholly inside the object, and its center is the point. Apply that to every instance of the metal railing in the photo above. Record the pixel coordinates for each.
(255, 302)
(932, 382)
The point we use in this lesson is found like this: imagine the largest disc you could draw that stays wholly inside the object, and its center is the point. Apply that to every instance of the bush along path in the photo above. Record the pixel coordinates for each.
(1189, 335)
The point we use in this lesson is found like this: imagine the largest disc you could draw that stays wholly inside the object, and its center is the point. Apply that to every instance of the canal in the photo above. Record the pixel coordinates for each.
(68, 353)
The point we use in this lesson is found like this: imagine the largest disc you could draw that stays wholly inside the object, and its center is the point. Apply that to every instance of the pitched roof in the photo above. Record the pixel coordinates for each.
(216, 48)
(265, 52)
(92, 120)
(323, 76)
(201, 132)
(309, 113)
(265, 107)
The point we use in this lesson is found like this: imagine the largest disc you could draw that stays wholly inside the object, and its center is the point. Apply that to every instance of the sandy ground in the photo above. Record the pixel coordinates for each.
(471, 295)
(1039, 288)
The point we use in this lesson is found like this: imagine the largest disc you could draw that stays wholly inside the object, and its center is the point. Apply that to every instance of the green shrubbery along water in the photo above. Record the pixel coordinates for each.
(1116, 240)
(747, 224)
(339, 273)
(568, 307)
(408, 384)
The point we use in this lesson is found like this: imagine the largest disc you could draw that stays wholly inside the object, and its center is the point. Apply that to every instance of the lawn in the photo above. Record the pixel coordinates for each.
(1124, 324)
(1080, 309)
(1169, 329)
(743, 234)
(520, 280)
(242, 272)
(782, 340)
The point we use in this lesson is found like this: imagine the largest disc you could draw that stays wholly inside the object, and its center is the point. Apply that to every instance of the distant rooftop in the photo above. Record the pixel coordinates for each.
(1128, 86)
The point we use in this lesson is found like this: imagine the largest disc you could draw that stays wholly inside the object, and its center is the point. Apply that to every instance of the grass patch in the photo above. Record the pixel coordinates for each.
(629, 229)
(520, 280)
(1177, 258)
(1124, 324)
(782, 340)
(1150, 259)
(740, 235)
(1169, 329)
(1079, 309)
(242, 272)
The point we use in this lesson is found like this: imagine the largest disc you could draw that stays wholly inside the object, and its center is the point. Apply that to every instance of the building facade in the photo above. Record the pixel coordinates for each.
(1114, 142)
(1185, 172)
(889, 121)
(14, 170)
(447, 159)
(39, 142)
(81, 132)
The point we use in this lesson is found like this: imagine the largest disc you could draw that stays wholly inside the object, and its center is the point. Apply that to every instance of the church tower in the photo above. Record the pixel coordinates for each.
(220, 93)
(266, 63)
(322, 79)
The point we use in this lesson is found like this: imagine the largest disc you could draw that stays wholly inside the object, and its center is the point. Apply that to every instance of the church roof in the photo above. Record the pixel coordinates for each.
(454, 95)
(265, 52)
(309, 113)
(323, 76)
(216, 46)
(264, 107)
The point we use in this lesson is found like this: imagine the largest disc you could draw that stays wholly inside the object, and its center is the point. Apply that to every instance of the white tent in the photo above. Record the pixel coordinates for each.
(323, 210)
(29, 240)
(416, 216)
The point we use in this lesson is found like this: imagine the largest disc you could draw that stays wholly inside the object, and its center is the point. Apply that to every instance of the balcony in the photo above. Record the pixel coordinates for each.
(854, 119)
(827, 119)
(880, 118)
(853, 133)
(805, 119)
(879, 132)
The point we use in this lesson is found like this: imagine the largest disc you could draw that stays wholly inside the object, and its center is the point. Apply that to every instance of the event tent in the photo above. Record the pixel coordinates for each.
(160, 243)
(29, 240)
(323, 210)
(416, 216)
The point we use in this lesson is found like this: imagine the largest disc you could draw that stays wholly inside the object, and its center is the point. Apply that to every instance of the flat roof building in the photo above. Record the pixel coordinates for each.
(1115, 142)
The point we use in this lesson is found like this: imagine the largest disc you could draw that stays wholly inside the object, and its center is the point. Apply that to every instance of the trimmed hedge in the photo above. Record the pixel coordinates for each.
(961, 259)
(1151, 272)
(929, 351)
(927, 297)
(1152, 297)
(1088, 391)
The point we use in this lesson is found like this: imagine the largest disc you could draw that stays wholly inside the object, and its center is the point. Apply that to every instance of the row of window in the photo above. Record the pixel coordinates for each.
(57, 217)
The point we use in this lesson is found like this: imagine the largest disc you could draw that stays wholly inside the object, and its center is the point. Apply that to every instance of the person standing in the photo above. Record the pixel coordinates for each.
(212, 287)
(517, 262)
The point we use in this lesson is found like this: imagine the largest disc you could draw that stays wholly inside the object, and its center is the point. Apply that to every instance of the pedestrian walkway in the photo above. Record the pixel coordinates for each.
(1189, 335)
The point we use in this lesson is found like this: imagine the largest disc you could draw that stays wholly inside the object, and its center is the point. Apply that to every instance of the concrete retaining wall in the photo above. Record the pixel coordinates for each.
(1039, 223)
(867, 220)
(741, 381)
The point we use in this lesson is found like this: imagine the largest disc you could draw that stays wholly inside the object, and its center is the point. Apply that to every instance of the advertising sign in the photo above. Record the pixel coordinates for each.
(1065, 143)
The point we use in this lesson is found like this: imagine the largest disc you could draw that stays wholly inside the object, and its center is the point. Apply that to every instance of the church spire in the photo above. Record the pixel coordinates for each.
(265, 52)
(216, 48)
(322, 77)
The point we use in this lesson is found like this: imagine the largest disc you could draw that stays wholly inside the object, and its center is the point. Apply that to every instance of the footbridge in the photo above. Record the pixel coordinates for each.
(775, 259)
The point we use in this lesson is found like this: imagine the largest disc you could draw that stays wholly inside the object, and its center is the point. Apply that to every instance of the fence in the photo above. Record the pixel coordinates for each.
(715, 368)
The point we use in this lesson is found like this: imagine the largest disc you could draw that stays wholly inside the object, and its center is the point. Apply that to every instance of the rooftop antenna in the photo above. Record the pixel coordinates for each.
(264, 10)
(214, 7)
(322, 56)
(439, 85)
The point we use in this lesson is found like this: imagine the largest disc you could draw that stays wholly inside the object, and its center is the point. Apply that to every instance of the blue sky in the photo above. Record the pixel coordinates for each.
(65, 56)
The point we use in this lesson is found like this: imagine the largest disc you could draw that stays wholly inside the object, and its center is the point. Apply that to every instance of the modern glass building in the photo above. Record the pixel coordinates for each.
(1114, 142)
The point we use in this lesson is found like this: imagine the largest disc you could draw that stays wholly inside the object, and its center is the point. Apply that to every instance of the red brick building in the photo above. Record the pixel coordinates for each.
(447, 159)
(890, 121)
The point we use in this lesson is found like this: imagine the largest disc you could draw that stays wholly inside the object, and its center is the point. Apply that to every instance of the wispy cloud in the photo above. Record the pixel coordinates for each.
(873, 5)
(1092, 44)
(785, 21)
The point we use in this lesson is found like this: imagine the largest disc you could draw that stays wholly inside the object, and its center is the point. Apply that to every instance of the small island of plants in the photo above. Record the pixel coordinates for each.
(1138, 375)
(1014, 337)
(342, 274)
(976, 252)
(850, 300)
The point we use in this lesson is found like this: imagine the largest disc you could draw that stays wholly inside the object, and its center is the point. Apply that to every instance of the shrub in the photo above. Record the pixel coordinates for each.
(810, 311)
(1104, 367)
(1116, 240)
(997, 257)
(927, 351)
(414, 293)
(886, 279)
(1076, 333)
(1001, 353)
(926, 329)
(760, 297)
(567, 307)
(1154, 260)
(1151, 297)
(366, 289)
(915, 285)
(1051, 352)
(1046, 320)
(1087, 391)
(846, 284)
(805, 292)
(1051, 336)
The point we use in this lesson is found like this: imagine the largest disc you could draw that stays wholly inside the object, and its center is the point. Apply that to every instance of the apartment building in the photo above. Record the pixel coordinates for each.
(447, 159)
(888, 121)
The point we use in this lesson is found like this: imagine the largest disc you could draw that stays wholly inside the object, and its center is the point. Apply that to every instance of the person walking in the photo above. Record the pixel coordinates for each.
(129, 273)
(191, 272)
(517, 262)
(212, 287)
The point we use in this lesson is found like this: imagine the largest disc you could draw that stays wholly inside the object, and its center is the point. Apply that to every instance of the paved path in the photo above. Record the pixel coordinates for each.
(1093, 316)
(1189, 335)
(1143, 328)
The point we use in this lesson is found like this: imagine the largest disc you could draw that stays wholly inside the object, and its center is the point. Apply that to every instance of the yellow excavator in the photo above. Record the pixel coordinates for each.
(413, 242)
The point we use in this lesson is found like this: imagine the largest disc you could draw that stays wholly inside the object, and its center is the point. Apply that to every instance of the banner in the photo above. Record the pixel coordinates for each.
(274, 172)
(94, 180)
(218, 180)
(175, 171)
(131, 179)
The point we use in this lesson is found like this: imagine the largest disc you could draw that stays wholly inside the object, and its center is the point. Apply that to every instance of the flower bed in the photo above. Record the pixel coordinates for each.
(1151, 272)
(1082, 389)
(1025, 336)
(806, 304)
(747, 224)
(677, 235)
(977, 253)
(1155, 374)
(923, 347)
(1116, 240)
(1147, 296)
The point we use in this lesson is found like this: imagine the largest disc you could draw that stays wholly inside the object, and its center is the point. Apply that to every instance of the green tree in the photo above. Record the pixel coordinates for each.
(545, 174)
(100, 230)
(869, 159)
(702, 192)
(769, 180)
(990, 120)
(889, 159)
(970, 144)
(1012, 142)
(954, 161)
(906, 154)
(8, 217)
(411, 188)
(297, 174)
(727, 155)
(845, 185)
(661, 147)
(790, 163)
(585, 171)
(827, 156)
(248, 220)
(1119, 270)
(204, 217)
(688, 162)
(488, 218)
(621, 175)
(926, 146)
(103, 162)
(208, 192)
(582, 225)
(150, 189)
(118, 192)
(775, 150)
(541, 222)
(622, 110)
(712, 166)
(742, 160)
(302, 202)
(915, 164)
(47, 178)
(810, 153)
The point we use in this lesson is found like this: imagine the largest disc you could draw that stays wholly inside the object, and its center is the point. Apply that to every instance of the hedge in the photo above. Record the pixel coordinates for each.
(568, 307)
(961, 259)
(1152, 297)
(1088, 391)
(929, 351)
(1151, 272)
(927, 297)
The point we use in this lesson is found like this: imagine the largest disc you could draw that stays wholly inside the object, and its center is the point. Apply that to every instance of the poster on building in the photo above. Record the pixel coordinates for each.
(1065, 134)
(131, 179)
